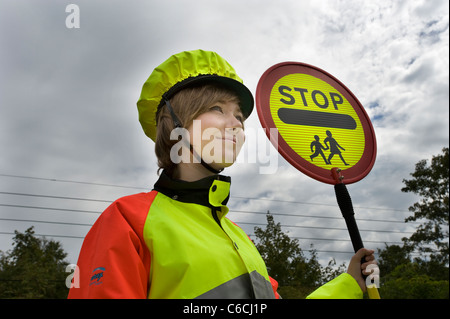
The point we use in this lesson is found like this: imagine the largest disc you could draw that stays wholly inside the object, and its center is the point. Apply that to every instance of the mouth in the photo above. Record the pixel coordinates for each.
(231, 139)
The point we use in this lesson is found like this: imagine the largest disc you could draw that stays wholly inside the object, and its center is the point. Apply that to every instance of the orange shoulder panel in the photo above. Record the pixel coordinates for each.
(114, 261)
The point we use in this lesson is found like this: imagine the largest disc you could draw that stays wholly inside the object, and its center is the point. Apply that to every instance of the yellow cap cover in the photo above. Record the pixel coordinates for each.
(184, 69)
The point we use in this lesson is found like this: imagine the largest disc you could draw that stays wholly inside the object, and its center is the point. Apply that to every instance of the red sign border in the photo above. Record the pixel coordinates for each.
(262, 99)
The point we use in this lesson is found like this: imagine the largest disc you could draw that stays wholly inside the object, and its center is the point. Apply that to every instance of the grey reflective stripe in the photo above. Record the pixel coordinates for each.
(261, 287)
(241, 288)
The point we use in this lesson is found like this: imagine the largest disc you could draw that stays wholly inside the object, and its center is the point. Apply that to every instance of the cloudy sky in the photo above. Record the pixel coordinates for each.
(71, 143)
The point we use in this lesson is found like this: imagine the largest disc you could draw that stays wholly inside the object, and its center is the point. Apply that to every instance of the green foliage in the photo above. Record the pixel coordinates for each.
(426, 276)
(408, 281)
(392, 256)
(330, 271)
(432, 184)
(34, 268)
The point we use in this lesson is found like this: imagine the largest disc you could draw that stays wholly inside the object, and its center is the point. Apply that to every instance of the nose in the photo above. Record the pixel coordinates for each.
(234, 123)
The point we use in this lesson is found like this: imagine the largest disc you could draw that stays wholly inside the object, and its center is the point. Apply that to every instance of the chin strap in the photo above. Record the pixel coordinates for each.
(205, 165)
(177, 124)
(176, 121)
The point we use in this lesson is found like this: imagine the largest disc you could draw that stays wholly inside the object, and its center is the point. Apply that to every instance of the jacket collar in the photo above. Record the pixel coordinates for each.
(211, 191)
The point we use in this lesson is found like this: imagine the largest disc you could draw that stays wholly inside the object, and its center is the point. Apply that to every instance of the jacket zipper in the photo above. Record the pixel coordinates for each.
(216, 218)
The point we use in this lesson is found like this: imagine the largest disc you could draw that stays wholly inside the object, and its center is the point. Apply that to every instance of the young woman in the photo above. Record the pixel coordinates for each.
(176, 241)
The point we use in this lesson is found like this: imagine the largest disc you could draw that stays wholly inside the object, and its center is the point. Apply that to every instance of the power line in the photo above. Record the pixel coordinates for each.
(42, 235)
(57, 197)
(339, 239)
(315, 216)
(78, 237)
(257, 224)
(237, 222)
(51, 208)
(237, 211)
(70, 181)
(45, 222)
(89, 224)
(293, 237)
(308, 250)
(328, 228)
(65, 236)
(317, 204)
(234, 196)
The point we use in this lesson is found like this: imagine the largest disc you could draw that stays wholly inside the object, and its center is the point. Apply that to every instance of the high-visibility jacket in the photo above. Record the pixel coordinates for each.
(175, 242)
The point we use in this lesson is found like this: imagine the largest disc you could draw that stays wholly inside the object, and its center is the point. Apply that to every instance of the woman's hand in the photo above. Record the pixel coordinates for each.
(356, 269)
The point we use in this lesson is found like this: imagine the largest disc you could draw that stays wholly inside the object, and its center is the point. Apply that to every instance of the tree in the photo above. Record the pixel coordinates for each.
(392, 256)
(34, 268)
(330, 271)
(408, 281)
(297, 275)
(427, 275)
(432, 183)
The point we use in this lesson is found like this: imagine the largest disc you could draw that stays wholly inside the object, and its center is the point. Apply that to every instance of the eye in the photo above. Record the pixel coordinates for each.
(240, 118)
(216, 108)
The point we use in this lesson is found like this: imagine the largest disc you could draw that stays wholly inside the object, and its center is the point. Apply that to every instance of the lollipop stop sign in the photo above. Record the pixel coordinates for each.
(319, 122)
(323, 130)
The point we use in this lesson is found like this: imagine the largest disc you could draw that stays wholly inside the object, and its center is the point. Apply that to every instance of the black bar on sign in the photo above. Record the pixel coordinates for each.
(313, 118)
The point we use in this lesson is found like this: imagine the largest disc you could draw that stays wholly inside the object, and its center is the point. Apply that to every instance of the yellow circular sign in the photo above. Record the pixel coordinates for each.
(317, 121)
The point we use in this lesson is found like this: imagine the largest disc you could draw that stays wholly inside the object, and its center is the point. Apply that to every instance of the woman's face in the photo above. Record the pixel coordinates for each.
(218, 134)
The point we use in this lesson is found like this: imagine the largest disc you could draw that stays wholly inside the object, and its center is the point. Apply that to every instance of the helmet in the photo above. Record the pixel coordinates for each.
(180, 71)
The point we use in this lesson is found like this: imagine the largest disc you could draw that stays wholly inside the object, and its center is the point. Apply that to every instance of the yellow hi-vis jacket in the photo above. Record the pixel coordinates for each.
(176, 242)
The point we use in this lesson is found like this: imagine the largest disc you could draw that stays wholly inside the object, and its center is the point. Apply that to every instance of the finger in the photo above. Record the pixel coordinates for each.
(368, 262)
(361, 253)
(370, 270)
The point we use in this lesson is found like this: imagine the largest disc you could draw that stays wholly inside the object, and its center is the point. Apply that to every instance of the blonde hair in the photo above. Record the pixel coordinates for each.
(187, 104)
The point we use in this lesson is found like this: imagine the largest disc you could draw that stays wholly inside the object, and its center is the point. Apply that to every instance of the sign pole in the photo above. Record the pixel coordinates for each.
(345, 204)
